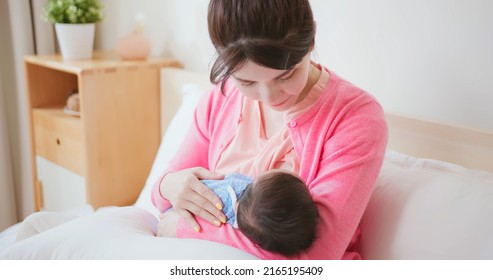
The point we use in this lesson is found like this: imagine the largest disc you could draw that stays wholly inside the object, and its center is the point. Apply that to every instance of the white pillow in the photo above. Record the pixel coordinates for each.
(116, 233)
(428, 209)
(178, 127)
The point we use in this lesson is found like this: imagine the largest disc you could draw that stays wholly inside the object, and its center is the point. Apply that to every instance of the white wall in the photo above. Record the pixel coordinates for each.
(175, 28)
(426, 58)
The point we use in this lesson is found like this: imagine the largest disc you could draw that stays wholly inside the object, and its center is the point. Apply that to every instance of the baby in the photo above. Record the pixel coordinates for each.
(275, 210)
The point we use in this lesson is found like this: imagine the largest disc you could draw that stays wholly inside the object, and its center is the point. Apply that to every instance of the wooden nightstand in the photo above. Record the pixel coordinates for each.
(102, 157)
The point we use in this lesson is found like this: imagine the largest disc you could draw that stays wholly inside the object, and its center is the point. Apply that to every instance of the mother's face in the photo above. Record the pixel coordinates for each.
(278, 89)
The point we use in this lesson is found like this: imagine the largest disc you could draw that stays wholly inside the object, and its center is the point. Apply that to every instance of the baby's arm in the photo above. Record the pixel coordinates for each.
(166, 226)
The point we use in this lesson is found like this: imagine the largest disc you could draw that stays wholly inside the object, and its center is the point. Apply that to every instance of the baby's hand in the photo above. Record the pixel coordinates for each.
(166, 226)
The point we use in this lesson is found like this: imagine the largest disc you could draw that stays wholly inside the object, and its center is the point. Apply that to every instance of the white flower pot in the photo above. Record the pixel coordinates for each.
(76, 40)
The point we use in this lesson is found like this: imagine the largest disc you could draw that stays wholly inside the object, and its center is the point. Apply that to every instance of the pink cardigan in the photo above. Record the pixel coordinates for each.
(340, 142)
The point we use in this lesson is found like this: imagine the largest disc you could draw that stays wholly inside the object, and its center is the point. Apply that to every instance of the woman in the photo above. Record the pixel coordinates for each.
(273, 107)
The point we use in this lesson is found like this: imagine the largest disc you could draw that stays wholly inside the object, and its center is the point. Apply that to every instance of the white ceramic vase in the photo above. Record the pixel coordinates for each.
(76, 40)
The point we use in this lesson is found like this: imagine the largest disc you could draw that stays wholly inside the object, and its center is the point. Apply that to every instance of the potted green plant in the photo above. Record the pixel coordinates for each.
(75, 25)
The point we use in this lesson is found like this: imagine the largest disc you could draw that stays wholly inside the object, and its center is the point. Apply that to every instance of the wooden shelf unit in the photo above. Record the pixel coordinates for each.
(114, 141)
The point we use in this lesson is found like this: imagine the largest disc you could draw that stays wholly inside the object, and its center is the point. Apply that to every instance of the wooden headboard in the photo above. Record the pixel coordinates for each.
(172, 82)
(420, 138)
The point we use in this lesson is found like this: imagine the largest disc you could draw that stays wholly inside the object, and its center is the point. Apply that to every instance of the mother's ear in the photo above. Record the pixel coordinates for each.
(312, 44)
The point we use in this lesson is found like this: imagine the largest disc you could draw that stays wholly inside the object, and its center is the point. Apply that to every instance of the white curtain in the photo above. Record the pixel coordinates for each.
(7, 197)
(22, 32)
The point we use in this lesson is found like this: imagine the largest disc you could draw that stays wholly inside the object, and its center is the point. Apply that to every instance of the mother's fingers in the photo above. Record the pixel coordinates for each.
(211, 198)
(204, 174)
(189, 219)
(205, 213)
(189, 195)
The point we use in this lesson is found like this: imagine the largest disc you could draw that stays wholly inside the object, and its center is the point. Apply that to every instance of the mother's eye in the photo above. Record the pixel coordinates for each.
(246, 84)
(286, 78)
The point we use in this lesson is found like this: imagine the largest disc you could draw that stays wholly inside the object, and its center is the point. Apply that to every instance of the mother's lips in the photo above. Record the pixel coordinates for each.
(279, 104)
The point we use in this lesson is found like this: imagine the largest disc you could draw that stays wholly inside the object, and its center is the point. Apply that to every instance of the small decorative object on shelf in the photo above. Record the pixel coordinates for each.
(74, 24)
(135, 46)
(73, 104)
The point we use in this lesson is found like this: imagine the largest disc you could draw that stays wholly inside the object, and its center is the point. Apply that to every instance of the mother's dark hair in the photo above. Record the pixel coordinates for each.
(272, 33)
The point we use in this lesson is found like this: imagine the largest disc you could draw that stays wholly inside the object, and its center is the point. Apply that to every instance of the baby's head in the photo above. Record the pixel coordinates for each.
(278, 214)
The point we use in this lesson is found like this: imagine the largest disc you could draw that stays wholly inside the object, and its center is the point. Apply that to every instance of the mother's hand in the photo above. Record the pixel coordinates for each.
(188, 196)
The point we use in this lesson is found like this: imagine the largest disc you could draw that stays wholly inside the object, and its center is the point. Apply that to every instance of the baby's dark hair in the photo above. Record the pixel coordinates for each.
(276, 34)
(278, 214)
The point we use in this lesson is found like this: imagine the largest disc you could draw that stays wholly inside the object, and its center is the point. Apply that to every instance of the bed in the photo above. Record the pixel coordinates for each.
(432, 200)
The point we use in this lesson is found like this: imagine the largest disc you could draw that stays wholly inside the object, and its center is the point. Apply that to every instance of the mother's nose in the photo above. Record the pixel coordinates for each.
(268, 92)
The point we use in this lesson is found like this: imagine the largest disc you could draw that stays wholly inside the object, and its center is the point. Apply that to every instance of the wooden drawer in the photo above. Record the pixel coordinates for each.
(59, 138)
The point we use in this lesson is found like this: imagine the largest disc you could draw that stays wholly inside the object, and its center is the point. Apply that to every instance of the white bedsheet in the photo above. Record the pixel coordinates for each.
(116, 233)
(7, 236)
